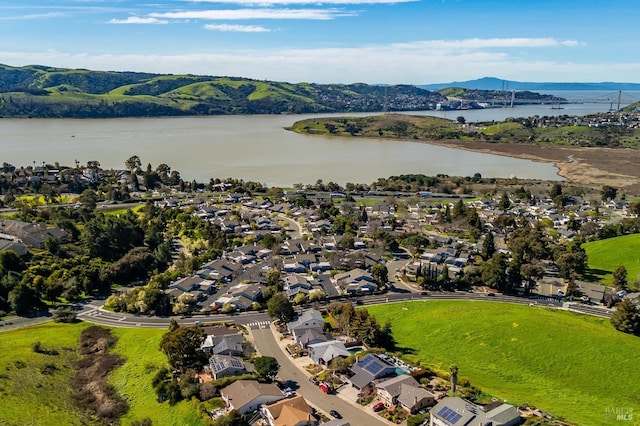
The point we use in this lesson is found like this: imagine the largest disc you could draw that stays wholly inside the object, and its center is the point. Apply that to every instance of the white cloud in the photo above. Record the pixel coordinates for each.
(237, 28)
(138, 20)
(32, 16)
(236, 14)
(411, 63)
(488, 43)
(312, 2)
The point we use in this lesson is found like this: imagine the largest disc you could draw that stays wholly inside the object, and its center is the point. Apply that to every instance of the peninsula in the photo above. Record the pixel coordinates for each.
(599, 149)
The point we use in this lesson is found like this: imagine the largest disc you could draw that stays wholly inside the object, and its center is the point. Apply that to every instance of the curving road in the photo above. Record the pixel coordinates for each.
(267, 346)
(92, 312)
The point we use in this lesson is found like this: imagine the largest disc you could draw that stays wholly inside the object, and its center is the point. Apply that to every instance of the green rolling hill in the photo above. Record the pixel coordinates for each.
(46, 92)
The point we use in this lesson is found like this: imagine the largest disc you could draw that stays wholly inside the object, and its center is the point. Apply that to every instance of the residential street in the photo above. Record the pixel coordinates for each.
(266, 344)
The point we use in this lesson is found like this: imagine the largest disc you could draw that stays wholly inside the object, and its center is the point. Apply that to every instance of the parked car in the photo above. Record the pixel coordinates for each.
(424, 293)
(335, 414)
(378, 407)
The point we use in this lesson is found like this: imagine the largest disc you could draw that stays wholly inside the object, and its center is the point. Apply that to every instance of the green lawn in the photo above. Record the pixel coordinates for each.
(571, 365)
(604, 256)
(30, 396)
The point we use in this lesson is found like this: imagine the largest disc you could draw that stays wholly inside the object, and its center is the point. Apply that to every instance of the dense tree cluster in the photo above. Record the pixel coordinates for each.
(359, 324)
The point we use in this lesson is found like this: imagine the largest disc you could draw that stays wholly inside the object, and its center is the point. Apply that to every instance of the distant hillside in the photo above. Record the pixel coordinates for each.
(45, 92)
(492, 83)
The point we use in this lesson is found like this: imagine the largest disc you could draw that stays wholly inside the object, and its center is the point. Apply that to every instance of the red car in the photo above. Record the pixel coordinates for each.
(378, 407)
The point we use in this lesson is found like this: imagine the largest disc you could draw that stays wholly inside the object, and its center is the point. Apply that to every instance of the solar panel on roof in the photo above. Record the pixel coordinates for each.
(454, 417)
(374, 367)
(444, 411)
(449, 415)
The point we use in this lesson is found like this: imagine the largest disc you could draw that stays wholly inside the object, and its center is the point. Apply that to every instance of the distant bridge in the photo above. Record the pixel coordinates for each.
(617, 100)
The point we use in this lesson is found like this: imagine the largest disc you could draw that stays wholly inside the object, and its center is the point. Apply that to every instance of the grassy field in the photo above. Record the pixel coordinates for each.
(133, 380)
(571, 365)
(604, 256)
(34, 388)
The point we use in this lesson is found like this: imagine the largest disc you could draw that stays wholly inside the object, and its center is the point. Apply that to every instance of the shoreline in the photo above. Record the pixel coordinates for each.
(616, 167)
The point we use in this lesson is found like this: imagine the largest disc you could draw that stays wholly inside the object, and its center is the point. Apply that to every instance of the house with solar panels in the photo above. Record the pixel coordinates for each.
(224, 365)
(459, 412)
(368, 369)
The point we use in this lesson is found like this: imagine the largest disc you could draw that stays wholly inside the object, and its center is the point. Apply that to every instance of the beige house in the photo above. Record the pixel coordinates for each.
(246, 396)
(404, 391)
(289, 412)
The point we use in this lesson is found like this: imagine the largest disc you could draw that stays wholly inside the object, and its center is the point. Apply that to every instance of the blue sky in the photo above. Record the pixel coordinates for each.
(332, 41)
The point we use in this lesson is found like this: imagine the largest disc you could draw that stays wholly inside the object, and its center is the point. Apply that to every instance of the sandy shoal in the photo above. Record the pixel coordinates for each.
(618, 167)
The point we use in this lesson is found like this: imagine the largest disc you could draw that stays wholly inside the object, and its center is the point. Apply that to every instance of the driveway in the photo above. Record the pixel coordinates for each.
(266, 344)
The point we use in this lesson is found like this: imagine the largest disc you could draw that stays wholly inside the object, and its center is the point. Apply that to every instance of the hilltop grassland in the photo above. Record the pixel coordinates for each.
(571, 365)
(582, 154)
(604, 256)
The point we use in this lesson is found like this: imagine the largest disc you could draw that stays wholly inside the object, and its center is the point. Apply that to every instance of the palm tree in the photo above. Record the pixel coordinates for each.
(453, 376)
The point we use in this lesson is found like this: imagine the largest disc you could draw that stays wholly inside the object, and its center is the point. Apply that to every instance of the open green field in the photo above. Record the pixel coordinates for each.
(139, 347)
(604, 256)
(34, 394)
(571, 365)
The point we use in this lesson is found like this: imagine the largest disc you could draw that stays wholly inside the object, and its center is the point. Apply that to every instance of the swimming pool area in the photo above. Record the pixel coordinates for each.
(355, 350)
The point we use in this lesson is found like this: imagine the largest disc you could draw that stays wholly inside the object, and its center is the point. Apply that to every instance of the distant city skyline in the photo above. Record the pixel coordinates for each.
(331, 41)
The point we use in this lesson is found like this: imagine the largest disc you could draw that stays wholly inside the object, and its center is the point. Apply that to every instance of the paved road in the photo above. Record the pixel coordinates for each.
(92, 313)
(267, 346)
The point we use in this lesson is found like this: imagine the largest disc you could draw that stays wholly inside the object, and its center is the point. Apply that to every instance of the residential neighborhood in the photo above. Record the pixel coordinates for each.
(274, 286)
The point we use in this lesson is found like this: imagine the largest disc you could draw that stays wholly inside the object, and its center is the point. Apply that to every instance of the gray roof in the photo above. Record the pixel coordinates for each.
(241, 392)
(409, 395)
(394, 384)
(459, 412)
(310, 315)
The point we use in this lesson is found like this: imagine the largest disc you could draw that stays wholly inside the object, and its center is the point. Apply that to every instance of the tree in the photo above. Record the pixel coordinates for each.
(453, 377)
(608, 193)
(339, 364)
(300, 299)
(488, 246)
(620, 280)
(280, 307)
(626, 317)
(133, 163)
(459, 210)
(266, 367)
(460, 120)
(272, 277)
(380, 273)
(88, 199)
(493, 271)
(182, 348)
(504, 202)
(556, 189)
(10, 261)
(23, 299)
